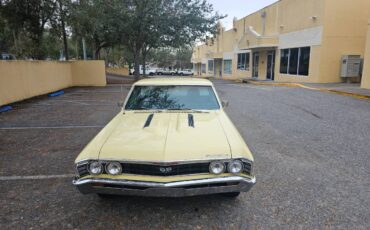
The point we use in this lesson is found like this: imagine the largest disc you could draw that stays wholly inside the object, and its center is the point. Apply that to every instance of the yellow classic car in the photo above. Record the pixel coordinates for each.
(173, 139)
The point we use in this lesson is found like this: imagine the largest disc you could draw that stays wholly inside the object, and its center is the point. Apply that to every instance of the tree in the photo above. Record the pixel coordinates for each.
(96, 21)
(135, 26)
(59, 20)
(27, 20)
(165, 23)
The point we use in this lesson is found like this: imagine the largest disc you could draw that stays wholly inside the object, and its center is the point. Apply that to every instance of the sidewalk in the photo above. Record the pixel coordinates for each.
(354, 88)
(346, 89)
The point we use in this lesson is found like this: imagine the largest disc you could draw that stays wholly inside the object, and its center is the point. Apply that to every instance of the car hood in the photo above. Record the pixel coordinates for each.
(168, 137)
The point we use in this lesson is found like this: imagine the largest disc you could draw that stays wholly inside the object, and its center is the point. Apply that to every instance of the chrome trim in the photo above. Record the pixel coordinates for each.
(170, 189)
(164, 163)
(105, 161)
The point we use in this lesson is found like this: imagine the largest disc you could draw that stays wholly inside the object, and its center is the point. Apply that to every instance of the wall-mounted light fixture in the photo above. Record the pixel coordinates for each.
(313, 18)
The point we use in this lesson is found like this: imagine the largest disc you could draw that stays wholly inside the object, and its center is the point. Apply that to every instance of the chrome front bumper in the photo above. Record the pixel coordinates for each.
(170, 189)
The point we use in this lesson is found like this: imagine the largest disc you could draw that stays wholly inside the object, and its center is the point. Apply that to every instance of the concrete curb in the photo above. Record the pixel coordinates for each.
(297, 85)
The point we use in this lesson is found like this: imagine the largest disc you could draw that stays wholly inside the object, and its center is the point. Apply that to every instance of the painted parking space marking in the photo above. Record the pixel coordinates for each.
(52, 127)
(36, 177)
(325, 90)
(80, 105)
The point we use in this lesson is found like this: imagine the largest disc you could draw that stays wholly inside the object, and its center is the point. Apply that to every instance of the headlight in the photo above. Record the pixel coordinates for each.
(217, 167)
(95, 168)
(113, 168)
(235, 167)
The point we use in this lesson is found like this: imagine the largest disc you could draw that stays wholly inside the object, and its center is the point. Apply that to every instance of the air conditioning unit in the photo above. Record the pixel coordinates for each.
(351, 66)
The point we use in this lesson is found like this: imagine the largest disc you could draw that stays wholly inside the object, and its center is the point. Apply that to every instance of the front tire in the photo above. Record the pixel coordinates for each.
(231, 194)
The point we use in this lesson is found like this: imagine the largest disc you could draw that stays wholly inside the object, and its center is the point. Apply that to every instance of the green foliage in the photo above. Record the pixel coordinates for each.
(127, 30)
(26, 21)
(170, 57)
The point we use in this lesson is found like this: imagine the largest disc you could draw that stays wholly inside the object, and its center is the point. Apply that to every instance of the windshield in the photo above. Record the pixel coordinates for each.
(172, 98)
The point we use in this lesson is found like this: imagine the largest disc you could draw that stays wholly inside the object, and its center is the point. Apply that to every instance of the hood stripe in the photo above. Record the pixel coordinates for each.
(148, 120)
(191, 120)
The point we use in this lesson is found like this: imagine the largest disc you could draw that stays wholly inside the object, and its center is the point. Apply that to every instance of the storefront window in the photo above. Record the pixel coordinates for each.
(210, 66)
(304, 61)
(295, 61)
(243, 61)
(204, 68)
(227, 66)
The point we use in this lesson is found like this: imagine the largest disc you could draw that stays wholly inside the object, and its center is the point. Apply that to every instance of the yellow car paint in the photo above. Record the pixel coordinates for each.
(169, 137)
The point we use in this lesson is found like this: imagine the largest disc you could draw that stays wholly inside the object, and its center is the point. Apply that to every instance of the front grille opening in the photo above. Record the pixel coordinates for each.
(117, 186)
(122, 186)
(212, 185)
(164, 170)
(82, 170)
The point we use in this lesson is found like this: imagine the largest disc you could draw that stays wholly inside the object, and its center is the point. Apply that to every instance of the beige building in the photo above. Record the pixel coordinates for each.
(288, 41)
(366, 72)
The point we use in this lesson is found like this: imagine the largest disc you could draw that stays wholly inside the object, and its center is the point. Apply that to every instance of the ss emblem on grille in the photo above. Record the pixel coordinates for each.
(165, 170)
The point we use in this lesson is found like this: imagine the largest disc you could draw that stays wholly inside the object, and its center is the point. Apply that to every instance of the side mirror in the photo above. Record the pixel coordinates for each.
(120, 104)
(224, 104)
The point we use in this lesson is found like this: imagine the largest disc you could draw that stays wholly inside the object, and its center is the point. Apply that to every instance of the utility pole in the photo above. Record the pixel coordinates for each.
(84, 48)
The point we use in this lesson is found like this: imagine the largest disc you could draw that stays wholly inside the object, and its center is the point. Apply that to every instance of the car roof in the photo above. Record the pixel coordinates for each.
(174, 81)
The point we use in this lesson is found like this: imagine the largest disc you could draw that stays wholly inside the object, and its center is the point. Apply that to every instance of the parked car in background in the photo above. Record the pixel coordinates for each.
(7, 56)
(185, 72)
(165, 71)
(172, 139)
(148, 70)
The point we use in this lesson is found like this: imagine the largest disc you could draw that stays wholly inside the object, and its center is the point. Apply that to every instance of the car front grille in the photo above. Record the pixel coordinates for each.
(165, 170)
(82, 169)
(162, 169)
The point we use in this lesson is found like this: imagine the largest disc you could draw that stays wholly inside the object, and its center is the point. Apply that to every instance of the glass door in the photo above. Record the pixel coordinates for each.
(256, 59)
(270, 65)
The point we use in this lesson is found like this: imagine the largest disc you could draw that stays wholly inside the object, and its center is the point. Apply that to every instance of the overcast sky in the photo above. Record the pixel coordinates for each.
(238, 8)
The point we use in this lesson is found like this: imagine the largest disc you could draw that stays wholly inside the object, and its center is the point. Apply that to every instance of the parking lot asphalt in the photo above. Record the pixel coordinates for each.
(311, 149)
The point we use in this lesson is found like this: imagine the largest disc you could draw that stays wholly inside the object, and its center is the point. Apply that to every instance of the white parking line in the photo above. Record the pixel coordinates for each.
(52, 127)
(37, 177)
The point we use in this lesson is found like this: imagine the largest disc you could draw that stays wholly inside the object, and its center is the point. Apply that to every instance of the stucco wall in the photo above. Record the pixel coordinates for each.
(366, 72)
(344, 34)
(88, 73)
(327, 26)
(20, 80)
